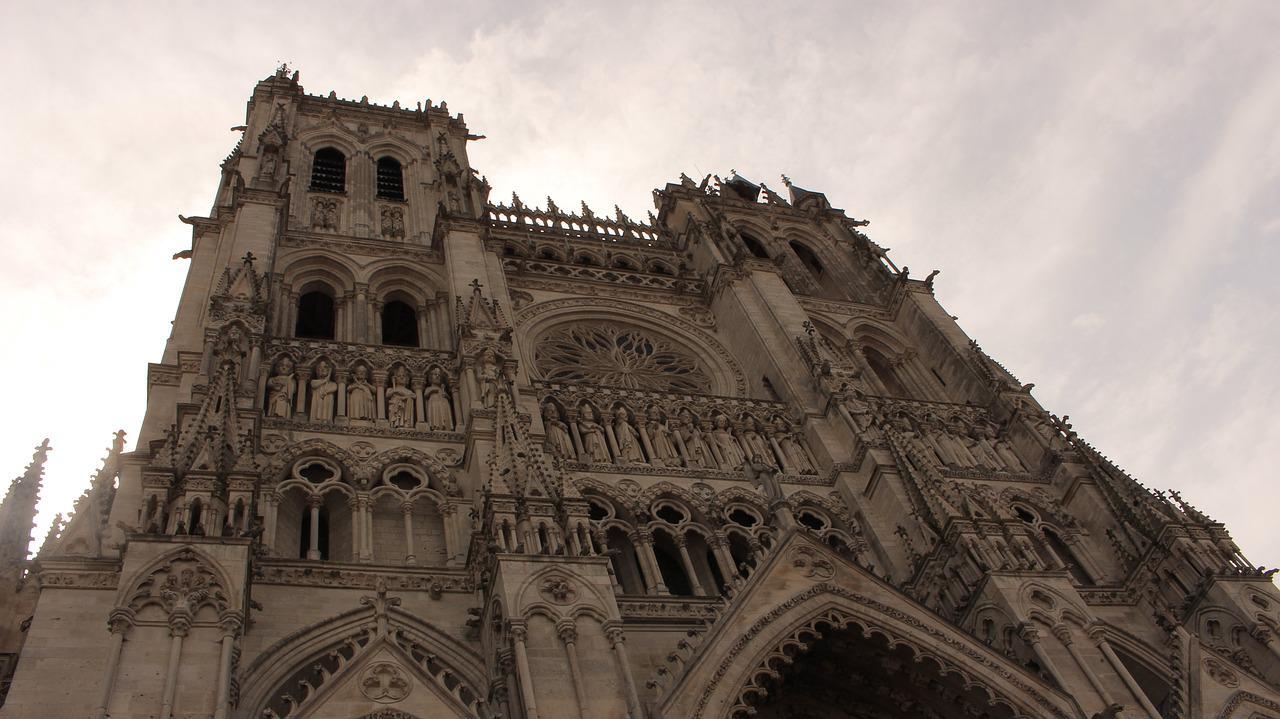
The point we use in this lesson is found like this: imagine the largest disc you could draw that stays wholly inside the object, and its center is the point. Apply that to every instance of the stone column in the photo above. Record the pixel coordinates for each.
(643, 542)
(720, 549)
(272, 502)
(1099, 637)
(367, 506)
(303, 375)
(422, 326)
(1031, 636)
(568, 631)
(613, 631)
(1063, 633)
(518, 636)
(357, 529)
(687, 561)
(118, 624)
(406, 508)
(313, 548)
(502, 695)
(230, 623)
(179, 625)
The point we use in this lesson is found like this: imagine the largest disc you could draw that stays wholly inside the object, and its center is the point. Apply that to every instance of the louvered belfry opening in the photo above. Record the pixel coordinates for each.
(329, 171)
(390, 179)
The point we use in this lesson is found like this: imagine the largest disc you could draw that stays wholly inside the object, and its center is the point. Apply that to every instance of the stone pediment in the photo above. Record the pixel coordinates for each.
(802, 583)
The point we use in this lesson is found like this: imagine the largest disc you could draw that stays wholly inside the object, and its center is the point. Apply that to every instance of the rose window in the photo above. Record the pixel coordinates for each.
(618, 356)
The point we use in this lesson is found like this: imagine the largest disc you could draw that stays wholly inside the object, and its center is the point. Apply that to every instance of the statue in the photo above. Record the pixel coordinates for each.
(280, 390)
(754, 443)
(360, 395)
(489, 377)
(1010, 457)
(323, 389)
(558, 440)
(689, 434)
(859, 408)
(981, 438)
(436, 396)
(594, 446)
(400, 400)
(764, 477)
(954, 433)
(722, 438)
(660, 438)
(789, 443)
(628, 439)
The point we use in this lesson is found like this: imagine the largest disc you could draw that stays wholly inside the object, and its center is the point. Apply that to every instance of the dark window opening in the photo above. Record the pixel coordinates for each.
(754, 246)
(329, 171)
(809, 259)
(405, 481)
(812, 521)
(1068, 558)
(315, 316)
(672, 571)
(597, 512)
(670, 514)
(743, 517)
(390, 179)
(884, 371)
(399, 325)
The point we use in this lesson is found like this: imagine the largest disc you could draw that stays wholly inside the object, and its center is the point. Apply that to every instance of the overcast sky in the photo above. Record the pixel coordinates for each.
(1097, 181)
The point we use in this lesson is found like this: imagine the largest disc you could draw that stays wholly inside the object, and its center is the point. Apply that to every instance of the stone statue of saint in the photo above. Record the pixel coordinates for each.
(436, 396)
(695, 445)
(981, 446)
(629, 451)
(789, 443)
(360, 395)
(489, 377)
(594, 446)
(400, 400)
(323, 389)
(280, 389)
(722, 438)
(764, 476)
(558, 440)
(754, 443)
(660, 438)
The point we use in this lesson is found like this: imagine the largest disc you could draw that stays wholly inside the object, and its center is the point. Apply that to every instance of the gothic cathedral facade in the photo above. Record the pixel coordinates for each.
(412, 452)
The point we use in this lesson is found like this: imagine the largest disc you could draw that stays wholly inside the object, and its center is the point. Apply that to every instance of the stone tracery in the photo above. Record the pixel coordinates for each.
(618, 356)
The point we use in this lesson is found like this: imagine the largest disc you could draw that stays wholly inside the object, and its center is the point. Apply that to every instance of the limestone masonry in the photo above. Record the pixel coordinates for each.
(414, 453)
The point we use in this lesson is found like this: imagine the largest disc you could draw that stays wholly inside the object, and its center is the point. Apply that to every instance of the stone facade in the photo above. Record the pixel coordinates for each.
(411, 452)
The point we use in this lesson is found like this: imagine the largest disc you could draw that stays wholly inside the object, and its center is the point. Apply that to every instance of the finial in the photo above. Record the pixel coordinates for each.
(786, 181)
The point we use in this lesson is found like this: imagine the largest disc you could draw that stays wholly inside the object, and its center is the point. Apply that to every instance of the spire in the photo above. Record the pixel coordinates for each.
(83, 533)
(18, 511)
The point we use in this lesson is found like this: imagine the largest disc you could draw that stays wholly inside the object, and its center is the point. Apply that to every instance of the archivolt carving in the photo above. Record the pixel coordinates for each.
(1242, 698)
(936, 639)
(628, 312)
(180, 583)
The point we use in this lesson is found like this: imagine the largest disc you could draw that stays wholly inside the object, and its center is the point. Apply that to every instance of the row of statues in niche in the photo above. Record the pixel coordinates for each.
(402, 402)
(954, 443)
(678, 440)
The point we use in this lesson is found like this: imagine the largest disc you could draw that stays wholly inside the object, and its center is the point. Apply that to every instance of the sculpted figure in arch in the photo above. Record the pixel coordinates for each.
(323, 389)
(754, 442)
(360, 395)
(400, 400)
(280, 389)
(628, 439)
(697, 452)
(731, 454)
(764, 477)
(594, 446)
(439, 410)
(664, 452)
(558, 439)
(789, 443)
(489, 377)
(981, 446)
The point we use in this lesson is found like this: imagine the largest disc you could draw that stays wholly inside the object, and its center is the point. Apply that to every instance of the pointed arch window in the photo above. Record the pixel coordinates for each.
(315, 316)
(329, 171)
(885, 373)
(809, 259)
(399, 324)
(756, 247)
(390, 179)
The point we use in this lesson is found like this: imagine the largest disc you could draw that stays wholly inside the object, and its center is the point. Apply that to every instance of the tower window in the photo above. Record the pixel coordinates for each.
(390, 179)
(315, 316)
(754, 246)
(809, 259)
(329, 171)
(399, 324)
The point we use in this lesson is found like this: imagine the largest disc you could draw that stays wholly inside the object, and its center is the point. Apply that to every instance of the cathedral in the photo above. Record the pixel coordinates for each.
(415, 452)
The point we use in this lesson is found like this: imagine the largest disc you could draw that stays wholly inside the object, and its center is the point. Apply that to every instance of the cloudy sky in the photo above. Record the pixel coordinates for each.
(1098, 182)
